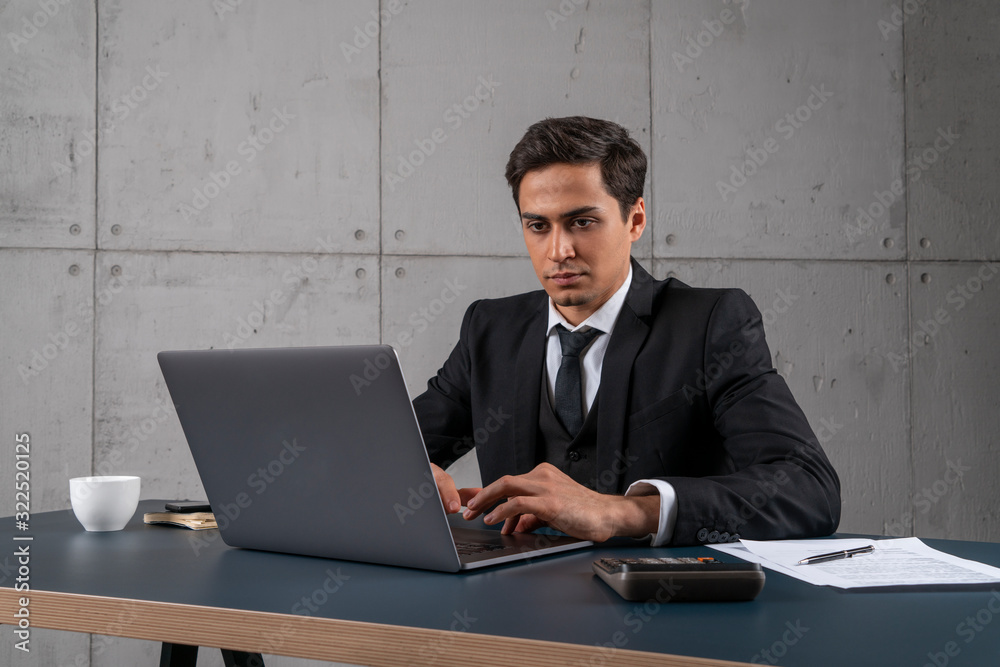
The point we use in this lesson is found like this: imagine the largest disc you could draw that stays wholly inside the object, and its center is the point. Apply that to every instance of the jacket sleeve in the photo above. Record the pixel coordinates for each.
(781, 484)
(444, 410)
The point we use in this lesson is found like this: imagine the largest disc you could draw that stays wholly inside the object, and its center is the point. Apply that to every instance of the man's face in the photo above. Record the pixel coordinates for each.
(577, 240)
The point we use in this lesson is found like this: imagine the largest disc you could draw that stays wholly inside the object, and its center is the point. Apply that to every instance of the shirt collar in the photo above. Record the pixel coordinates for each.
(603, 318)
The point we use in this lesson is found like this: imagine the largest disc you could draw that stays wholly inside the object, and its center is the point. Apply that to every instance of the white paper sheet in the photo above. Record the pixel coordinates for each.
(896, 562)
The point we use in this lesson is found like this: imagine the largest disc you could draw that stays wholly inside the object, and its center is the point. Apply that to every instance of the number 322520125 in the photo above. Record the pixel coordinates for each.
(22, 452)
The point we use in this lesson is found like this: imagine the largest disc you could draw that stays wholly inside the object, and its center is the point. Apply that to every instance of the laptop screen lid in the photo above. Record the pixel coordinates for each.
(317, 451)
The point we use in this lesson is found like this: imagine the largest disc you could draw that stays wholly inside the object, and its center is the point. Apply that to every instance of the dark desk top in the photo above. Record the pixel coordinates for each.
(555, 598)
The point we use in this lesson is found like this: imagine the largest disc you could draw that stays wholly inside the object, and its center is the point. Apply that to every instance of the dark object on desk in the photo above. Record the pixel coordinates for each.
(189, 506)
(837, 555)
(681, 579)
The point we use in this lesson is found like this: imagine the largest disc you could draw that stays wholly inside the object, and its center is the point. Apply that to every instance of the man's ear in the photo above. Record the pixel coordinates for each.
(637, 220)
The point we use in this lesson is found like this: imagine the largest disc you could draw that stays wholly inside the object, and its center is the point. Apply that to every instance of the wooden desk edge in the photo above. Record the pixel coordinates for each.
(356, 642)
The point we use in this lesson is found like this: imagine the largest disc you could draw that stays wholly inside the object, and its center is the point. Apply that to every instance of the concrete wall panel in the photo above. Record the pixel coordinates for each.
(425, 299)
(47, 139)
(450, 197)
(47, 379)
(829, 326)
(953, 140)
(769, 135)
(200, 301)
(956, 405)
(237, 130)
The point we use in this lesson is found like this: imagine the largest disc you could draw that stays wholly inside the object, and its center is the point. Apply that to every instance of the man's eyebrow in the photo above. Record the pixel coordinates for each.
(568, 214)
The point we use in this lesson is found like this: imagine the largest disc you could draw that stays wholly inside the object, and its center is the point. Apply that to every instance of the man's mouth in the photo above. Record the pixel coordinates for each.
(564, 278)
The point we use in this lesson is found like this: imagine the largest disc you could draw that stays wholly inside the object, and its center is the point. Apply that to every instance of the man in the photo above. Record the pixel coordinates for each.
(611, 404)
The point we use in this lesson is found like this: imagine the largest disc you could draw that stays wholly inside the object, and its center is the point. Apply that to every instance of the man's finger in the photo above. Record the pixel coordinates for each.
(524, 523)
(510, 525)
(468, 493)
(516, 507)
(446, 487)
(528, 523)
(505, 487)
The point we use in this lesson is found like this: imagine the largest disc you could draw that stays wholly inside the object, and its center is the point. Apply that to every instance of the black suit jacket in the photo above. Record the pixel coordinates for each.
(688, 394)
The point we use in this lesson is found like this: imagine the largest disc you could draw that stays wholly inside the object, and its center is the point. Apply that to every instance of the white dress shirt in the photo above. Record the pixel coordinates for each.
(591, 363)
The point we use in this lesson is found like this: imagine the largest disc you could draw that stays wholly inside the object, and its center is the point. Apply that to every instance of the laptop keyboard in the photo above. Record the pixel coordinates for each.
(472, 548)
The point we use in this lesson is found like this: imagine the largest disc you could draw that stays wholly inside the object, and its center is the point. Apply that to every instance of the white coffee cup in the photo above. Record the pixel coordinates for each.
(104, 503)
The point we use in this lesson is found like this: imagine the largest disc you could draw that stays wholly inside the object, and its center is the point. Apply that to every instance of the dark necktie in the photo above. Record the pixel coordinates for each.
(569, 389)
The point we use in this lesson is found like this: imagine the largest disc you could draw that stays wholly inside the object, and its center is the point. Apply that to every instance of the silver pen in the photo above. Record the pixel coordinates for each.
(837, 555)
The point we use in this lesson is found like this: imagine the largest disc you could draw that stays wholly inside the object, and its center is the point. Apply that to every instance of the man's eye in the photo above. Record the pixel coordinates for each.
(537, 226)
(583, 222)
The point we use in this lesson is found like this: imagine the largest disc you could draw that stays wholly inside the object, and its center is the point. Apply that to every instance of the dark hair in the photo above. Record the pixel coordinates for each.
(582, 140)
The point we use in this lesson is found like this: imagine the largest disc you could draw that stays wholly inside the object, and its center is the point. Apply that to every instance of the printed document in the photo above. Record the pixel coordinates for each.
(894, 562)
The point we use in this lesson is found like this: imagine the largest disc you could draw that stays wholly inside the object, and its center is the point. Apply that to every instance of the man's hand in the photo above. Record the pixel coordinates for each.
(451, 497)
(548, 497)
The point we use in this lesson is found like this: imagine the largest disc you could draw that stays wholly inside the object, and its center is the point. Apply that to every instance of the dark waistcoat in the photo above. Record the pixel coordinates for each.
(577, 457)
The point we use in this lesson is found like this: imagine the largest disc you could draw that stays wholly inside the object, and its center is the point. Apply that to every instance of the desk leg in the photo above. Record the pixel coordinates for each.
(241, 659)
(178, 655)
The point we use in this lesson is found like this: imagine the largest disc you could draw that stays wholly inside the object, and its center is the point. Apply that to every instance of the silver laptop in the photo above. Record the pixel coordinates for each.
(317, 451)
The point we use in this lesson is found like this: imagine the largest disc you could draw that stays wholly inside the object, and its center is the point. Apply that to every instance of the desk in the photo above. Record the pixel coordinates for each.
(173, 585)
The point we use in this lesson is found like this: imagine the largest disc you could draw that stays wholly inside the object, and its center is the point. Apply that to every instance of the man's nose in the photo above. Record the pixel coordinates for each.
(560, 245)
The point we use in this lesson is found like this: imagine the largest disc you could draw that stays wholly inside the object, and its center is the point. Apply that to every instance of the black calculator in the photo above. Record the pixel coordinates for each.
(681, 579)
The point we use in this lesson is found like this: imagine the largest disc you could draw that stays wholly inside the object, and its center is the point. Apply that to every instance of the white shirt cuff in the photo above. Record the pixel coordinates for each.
(668, 507)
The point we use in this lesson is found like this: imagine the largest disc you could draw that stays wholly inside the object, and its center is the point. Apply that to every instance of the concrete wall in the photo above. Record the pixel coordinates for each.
(193, 174)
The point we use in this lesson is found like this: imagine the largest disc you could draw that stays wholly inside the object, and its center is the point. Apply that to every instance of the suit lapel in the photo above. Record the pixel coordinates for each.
(527, 388)
(626, 340)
